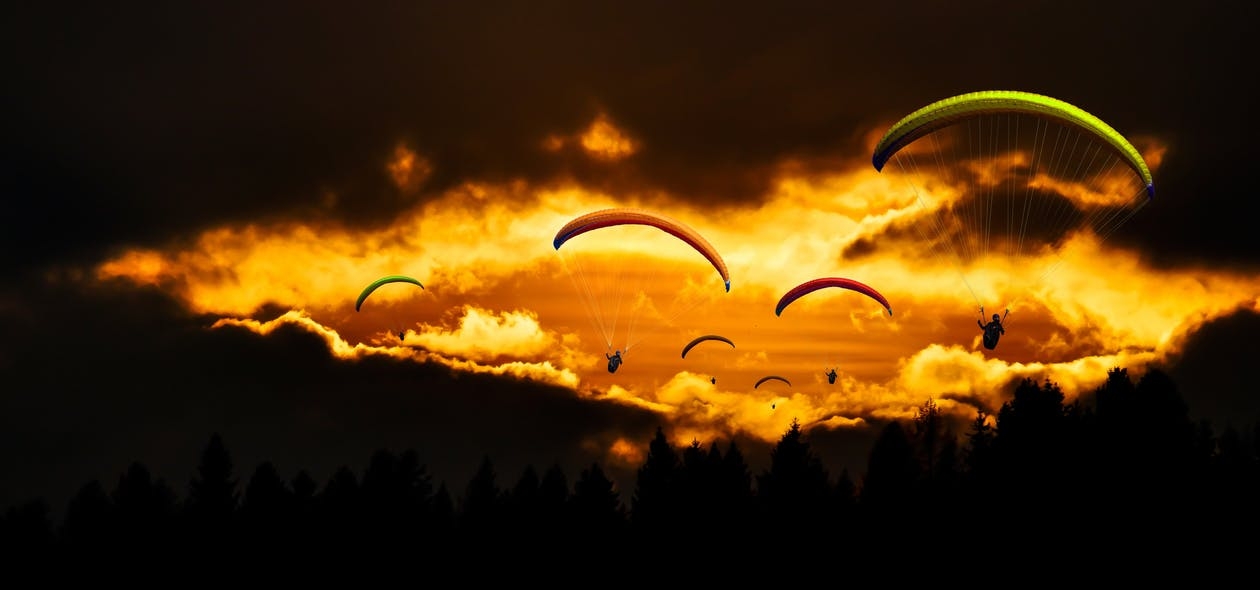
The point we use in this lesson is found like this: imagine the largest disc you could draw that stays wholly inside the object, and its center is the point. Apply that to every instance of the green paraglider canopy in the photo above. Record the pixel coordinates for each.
(383, 281)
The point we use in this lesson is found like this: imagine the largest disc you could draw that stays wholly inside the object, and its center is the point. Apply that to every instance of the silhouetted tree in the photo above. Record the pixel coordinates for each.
(523, 505)
(655, 504)
(26, 533)
(481, 510)
(795, 489)
(1030, 446)
(266, 511)
(553, 499)
(597, 509)
(89, 525)
(340, 509)
(979, 462)
(212, 495)
(145, 510)
(696, 489)
(416, 489)
(845, 500)
(936, 447)
(442, 519)
(382, 496)
(735, 497)
(304, 490)
(892, 475)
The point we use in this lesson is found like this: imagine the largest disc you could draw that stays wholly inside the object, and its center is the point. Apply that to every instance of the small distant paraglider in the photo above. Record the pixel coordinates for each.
(385, 280)
(378, 283)
(706, 337)
(771, 378)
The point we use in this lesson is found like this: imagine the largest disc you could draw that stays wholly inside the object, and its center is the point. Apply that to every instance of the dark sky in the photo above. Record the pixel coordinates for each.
(140, 124)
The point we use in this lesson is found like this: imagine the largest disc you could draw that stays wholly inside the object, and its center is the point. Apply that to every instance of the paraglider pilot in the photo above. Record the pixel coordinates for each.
(614, 361)
(831, 376)
(992, 330)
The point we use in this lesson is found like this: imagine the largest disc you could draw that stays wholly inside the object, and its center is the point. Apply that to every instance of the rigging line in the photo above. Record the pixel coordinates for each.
(573, 267)
(941, 258)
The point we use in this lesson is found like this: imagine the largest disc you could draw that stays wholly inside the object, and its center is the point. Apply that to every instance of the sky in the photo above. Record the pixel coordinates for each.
(196, 195)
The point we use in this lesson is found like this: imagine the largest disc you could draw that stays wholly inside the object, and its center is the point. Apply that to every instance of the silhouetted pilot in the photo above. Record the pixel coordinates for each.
(992, 331)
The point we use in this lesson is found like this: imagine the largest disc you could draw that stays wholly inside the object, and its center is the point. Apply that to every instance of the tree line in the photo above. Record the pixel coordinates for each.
(1130, 466)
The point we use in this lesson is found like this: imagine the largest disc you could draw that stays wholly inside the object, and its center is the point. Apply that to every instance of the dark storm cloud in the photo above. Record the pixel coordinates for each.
(1214, 372)
(93, 381)
(138, 122)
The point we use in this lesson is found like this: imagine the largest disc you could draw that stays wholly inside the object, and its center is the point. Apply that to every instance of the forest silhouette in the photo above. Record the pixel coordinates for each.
(1124, 468)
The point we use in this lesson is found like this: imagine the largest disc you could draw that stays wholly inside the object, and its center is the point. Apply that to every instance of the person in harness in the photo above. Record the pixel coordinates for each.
(614, 361)
(992, 330)
(831, 376)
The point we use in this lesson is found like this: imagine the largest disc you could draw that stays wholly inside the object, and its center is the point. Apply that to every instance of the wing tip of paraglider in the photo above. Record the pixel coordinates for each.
(1150, 191)
(728, 286)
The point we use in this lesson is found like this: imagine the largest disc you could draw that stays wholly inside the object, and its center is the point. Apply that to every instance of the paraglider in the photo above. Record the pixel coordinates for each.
(618, 291)
(631, 216)
(693, 343)
(705, 338)
(1005, 179)
(374, 285)
(831, 375)
(829, 282)
(771, 378)
(943, 113)
(614, 361)
(378, 283)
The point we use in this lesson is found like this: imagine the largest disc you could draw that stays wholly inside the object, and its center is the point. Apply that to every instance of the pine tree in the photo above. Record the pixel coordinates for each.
(654, 506)
(212, 494)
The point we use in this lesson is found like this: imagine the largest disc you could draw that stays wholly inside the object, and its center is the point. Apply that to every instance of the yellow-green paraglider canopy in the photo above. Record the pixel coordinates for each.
(383, 281)
(944, 112)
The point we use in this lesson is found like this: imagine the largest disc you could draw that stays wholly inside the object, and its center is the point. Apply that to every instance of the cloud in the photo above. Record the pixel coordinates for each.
(605, 141)
(498, 299)
(483, 334)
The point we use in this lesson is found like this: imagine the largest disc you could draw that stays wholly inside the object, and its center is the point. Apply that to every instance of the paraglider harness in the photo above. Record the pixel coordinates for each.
(993, 330)
(831, 376)
(614, 361)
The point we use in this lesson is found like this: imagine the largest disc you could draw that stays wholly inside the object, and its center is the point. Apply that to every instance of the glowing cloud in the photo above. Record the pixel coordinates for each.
(605, 141)
(408, 169)
(497, 299)
(483, 334)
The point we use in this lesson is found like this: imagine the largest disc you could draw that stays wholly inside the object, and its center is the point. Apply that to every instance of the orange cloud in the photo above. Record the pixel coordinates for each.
(483, 334)
(605, 141)
(408, 169)
(499, 299)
